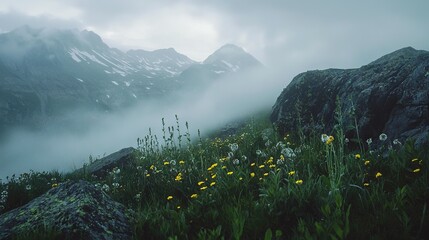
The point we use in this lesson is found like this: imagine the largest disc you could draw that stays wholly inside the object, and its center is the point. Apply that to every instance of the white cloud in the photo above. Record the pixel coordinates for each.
(359, 31)
(51, 8)
(187, 33)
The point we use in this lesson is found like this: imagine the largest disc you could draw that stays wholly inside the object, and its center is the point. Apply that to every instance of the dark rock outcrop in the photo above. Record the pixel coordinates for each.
(389, 95)
(76, 210)
(103, 165)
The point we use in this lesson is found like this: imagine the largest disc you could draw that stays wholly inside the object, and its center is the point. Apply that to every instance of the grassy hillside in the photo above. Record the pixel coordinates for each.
(258, 185)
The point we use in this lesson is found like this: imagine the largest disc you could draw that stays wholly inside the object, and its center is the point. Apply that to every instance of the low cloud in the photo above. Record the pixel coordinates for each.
(66, 146)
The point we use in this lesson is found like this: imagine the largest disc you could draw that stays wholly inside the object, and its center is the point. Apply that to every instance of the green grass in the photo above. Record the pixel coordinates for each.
(258, 185)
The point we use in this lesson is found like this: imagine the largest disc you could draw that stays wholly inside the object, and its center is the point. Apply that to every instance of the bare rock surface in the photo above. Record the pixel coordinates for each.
(389, 95)
(75, 209)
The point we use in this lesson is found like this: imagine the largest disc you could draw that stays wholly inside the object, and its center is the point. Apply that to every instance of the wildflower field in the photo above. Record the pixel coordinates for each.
(256, 184)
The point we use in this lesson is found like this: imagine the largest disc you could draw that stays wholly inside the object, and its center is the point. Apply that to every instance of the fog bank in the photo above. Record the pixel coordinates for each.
(64, 148)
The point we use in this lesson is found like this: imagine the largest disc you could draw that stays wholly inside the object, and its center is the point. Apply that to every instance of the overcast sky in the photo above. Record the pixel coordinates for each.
(320, 34)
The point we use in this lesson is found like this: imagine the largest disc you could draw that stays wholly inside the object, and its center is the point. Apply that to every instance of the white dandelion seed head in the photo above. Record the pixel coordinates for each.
(233, 147)
(382, 137)
(369, 141)
(396, 142)
(236, 161)
(288, 152)
(324, 137)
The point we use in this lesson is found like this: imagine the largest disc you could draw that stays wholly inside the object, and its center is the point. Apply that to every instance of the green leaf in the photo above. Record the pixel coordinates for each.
(338, 230)
(268, 234)
(279, 233)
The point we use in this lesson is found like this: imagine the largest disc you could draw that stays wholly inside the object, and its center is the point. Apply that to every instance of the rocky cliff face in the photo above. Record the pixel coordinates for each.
(74, 210)
(389, 95)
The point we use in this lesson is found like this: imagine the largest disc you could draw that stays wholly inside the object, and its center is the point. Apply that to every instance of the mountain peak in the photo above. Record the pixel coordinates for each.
(227, 51)
(231, 47)
(231, 54)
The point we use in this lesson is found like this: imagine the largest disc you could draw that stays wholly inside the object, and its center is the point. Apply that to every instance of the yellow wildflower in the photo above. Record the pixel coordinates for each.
(357, 156)
(169, 198)
(299, 182)
(252, 174)
(200, 183)
(148, 175)
(178, 177)
(178, 207)
(252, 164)
(378, 174)
(152, 167)
(265, 174)
(203, 188)
(229, 173)
(240, 179)
(291, 173)
(181, 162)
(416, 170)
(330, 140)
(212, 184)
(366, 184)
(282, 157)
(223, 167)
(166, 163)
(272, 166)
(414, 160)
(367, 162)
(212, 166)
(214, 176)
(55, 185)
(194, 195)
(261, 166)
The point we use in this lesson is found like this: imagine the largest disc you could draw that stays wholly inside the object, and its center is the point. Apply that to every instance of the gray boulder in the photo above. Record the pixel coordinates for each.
(75, 209)
(389, 95)
(102, 166)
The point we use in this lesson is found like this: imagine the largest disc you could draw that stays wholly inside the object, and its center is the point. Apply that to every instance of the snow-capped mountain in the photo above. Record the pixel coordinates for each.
(226, 60)
(231, 58)
(161, 61)
(46, 72)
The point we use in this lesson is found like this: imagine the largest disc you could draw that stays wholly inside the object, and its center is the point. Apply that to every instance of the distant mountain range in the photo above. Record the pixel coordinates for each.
(46, 72)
